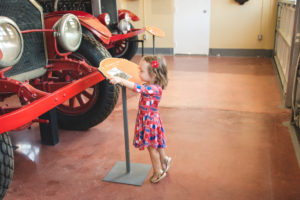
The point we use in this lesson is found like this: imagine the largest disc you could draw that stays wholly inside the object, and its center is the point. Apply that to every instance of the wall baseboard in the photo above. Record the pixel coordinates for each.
(165, 51)
(241, 52)
(217, 52)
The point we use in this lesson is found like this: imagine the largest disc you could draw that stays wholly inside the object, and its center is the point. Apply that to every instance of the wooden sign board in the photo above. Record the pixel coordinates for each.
(122, 68)
(155, 31)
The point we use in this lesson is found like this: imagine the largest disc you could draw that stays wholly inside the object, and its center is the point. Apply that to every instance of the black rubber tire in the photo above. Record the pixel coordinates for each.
(131, 50)
(87, 32)
(6, 163)
(93, 51)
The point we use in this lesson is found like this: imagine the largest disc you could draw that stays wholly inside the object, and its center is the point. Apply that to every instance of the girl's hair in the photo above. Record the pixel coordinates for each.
(161, 71)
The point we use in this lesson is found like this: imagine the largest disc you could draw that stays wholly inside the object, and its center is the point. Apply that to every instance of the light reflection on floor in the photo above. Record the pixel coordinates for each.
(31, 151)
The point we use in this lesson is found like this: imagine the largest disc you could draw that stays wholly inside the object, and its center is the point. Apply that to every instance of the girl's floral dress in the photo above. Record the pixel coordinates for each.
(148, 128)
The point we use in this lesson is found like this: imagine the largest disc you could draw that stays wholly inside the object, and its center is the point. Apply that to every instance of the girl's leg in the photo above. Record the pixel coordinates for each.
(154, 155)
(162, 157)
(158, 173)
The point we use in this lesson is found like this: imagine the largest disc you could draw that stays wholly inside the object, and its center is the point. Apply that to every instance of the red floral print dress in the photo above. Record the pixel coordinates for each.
(148, 128)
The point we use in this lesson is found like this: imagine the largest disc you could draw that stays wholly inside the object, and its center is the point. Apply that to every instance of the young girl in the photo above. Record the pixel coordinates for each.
(149, 130)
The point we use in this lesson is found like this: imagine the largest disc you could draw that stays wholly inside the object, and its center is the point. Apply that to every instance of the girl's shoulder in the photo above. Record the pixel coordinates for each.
(154, 87)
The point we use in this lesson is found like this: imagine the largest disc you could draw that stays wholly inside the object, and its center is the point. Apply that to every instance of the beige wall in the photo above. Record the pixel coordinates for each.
(159, 13)
(237, 26)
(232, 25)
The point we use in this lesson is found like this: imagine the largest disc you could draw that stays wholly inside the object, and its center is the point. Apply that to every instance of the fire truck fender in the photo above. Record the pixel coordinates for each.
(87, 20)
(133, 16)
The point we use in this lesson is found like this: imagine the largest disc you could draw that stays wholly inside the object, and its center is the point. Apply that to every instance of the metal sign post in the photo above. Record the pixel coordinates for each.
(126, 172)
(125, 123)
(154, 31)
(153, 38)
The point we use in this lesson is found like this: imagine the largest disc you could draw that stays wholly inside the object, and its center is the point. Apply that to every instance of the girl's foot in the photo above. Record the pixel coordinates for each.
(166, 164)
(156, 177)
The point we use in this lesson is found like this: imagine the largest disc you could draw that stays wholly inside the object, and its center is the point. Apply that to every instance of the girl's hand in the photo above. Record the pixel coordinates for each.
(115, 80)
(123, 82)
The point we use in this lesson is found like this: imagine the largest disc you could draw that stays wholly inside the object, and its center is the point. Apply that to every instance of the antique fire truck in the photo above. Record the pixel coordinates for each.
(48, 63)
(102, 20)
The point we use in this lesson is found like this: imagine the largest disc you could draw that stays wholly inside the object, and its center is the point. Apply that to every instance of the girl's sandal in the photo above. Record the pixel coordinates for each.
(157, 177)
(167, 163)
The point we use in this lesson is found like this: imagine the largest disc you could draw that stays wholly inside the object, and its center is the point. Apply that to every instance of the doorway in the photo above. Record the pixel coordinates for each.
(191, 27)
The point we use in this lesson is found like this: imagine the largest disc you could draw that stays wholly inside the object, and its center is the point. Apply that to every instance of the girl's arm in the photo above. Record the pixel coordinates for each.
(149, 90)
(117, 80)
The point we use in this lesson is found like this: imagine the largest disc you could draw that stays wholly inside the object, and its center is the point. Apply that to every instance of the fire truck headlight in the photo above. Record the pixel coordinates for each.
(107, 19)
(11, 42)
(69, 32)
(127, 17)
(124, 26)
(104, 18)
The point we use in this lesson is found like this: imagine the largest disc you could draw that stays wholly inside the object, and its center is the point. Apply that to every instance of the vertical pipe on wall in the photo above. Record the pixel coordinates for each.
(261, 17)
(144, 16)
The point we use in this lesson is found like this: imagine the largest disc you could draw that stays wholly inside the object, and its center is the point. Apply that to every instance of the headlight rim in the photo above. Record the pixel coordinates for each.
(59, 27)
(123, 26)
(105, 18)
(6, 20)
(127, 17)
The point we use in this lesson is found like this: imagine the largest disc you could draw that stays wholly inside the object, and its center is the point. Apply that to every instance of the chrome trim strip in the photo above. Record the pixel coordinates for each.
(96, 7)
(55, 5)
(39, 7)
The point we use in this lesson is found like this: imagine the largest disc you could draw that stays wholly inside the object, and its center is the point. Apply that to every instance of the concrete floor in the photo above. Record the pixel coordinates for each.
(223, 118)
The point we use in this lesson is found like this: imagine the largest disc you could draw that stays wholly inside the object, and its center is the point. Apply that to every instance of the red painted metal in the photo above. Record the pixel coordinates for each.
(38, 30)
(59, 71)
(45, 121)
(63, 74)
(120, 47)
(101, 18)
(78, 13)
(4, 109)
(94, 29)
(43, 94)
(133, 32)
(33, 110)
(52, 49)
(49, 23)
(94, 25)
(1, 54)
(81, 102)
(51, 41)
(57, 51)
(2, 71)
(87, 20)
(71, 64)
(131, 14)
(25, 91)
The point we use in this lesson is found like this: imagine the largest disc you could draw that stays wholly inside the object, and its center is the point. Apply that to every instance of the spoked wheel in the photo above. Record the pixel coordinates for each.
(94, 104)
(120, 48)
(125, 48)
(81, 102)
